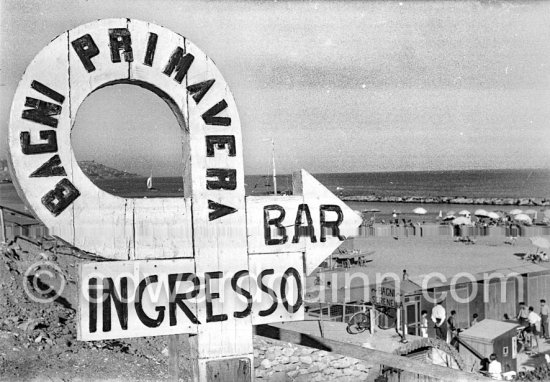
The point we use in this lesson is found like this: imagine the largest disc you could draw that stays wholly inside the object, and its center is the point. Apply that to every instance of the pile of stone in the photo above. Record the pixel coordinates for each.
(281, 361)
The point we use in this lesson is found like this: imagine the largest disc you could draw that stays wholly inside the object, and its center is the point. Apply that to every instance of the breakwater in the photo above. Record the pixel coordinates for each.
(449, 200)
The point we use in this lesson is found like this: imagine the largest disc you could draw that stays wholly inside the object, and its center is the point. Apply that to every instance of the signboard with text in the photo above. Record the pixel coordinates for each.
(213, 263)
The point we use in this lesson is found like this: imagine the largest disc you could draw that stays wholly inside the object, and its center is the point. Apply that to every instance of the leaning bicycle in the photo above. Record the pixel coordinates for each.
(360, 321)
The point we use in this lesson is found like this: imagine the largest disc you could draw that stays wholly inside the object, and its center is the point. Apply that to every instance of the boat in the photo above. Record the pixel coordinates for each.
(273, 175)
(150, 183)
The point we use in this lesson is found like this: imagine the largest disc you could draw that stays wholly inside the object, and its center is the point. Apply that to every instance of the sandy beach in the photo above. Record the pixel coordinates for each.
(422, 255)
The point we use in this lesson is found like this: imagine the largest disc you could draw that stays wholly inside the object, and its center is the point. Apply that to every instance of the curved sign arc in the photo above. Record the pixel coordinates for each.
(47, 176)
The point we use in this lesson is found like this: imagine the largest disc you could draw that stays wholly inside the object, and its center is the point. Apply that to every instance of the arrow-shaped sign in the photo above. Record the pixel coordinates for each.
(313, 220)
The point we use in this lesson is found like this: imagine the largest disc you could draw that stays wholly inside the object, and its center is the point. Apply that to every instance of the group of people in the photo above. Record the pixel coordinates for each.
(535, 324)
(537, 257)
(446, 328)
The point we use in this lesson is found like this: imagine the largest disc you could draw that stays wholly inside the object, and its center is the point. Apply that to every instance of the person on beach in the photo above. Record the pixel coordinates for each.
(438, 318)
(495, 368)
(534, 324)
(522, 314)
(544, 313)
(424, 324)
(452, 329)
(474, 320)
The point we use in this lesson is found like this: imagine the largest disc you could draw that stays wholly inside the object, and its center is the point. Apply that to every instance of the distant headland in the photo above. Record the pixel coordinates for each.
(91, 168)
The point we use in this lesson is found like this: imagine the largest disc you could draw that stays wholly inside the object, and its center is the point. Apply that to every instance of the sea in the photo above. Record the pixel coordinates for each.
(517, 183)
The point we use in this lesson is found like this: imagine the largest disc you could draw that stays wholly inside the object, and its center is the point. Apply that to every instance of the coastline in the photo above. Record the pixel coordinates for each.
(449, 200)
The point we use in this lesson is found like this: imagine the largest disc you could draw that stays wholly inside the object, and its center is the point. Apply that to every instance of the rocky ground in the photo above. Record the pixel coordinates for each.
(38, 340)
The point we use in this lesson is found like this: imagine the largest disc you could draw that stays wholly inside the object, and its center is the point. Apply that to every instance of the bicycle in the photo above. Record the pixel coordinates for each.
(360, 321)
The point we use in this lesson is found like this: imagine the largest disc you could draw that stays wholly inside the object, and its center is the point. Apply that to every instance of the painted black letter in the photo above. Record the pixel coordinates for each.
(148, 321)
(180, 63)
(218, 210)
(226, 179)
(294, 273)
(243, 292)
(121, 303)
(61, 197)
(48, 92)
(51, 168)
(86, 48)
(92, 294)
(209, 116)
(221, 142)
(41, 112)
(151, 48)
(176, 299)
(210, 296)
(269, 291)
(334, 225)
(120, 39)
(300, 230)
(39, 148)
(281, 230)
(199, 90)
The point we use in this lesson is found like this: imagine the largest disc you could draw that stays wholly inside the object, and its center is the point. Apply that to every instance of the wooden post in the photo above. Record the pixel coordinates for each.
(372, 320)
(173, 354)
(401, 312)
(3, 224)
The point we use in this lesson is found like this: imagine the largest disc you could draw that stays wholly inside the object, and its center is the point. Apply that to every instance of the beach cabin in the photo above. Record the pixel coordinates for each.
(488, 294)
(488, 337)
(536, 285)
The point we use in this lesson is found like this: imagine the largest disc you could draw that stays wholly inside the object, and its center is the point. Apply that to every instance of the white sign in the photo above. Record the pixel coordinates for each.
(159, 297)
(235, 261)
(312, 220)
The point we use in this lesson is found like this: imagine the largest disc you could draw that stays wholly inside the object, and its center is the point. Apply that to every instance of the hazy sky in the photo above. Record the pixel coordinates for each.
(340, 86)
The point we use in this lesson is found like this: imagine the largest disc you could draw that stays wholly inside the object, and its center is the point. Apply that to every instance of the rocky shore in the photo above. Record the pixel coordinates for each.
(450, 200)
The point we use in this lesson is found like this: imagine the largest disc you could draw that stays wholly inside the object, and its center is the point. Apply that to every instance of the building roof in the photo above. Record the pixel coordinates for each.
(488, 329)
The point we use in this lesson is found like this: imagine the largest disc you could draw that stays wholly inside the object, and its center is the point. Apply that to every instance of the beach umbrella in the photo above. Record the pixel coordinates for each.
(493, 215)
(540, 242)
(462, 220)
(420, 211)
(464, 213)
(515, 212)
(531, 212)
(523, 218)
(451, 213)
(481, 213)
(449, 217)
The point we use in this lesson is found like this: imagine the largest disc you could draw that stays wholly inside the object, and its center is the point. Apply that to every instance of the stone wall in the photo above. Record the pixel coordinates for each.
(282, 361)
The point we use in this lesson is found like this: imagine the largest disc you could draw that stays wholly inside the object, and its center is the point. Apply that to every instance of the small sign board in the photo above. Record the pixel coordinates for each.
(161, 297)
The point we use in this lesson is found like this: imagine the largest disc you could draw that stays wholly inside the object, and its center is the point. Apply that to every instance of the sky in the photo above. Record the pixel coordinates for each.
(340, 86)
